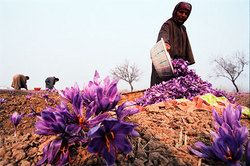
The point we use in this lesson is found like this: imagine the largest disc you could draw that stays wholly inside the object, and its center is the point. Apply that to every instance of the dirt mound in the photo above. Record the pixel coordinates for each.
(165, 132)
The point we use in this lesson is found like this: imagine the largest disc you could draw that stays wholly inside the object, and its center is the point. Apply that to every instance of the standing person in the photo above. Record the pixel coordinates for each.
(176, 39)
(19, 81)
(50, 82)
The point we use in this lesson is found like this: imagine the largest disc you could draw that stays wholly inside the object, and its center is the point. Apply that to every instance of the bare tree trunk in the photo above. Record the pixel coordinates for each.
(131, 87)
(237, 89)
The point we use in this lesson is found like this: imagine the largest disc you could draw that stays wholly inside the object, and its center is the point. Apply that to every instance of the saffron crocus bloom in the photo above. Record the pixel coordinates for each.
(126, 109)
(74, 96)
(229, 124)
(230, 116)
(110, 138)
(69, 93)
(50, 123)
(2, 100)
(77, 103)
(222, 149)
(107, 99)
(89, 92)
(16, 118)
(98, 97)
(55, 153)
(53, 122)
(228, 139)
(59, 122)
(248, 153)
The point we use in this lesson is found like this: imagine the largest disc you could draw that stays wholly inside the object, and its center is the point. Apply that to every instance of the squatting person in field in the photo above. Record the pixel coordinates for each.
(176, 39)
(19, 81)
(50, 82)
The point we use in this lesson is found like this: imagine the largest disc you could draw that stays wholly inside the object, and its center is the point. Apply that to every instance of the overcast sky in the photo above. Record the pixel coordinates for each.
(70, 39)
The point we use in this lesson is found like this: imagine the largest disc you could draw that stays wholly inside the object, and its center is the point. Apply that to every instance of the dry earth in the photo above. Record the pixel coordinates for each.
(165, 132)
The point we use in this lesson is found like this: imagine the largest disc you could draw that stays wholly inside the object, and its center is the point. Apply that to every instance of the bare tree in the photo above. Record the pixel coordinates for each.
(231, 68)
(126, 72)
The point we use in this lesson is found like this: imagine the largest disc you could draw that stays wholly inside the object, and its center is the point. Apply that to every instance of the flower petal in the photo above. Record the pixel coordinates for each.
(123, 144)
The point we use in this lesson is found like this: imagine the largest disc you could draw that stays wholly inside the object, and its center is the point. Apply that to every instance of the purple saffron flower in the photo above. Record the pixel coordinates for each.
(229, 124)
(89, 92)
(185, 84)
(2, 100)
(229, 116)
(50, 123)
(248, 153)
(203, 150)
(109, 138)
(227, 150)
(98, 97)
(96, 79)
(92, 122)
(74, 96)
(55, 153)
(126, 109)
(61, 122)
(69, 93)
(16, 118)
(222, 149)
(107, 100)
(77, 103)
(228, 140)
(103, 135)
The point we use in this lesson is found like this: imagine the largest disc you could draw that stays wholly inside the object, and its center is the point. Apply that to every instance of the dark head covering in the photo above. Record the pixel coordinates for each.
(181, 6)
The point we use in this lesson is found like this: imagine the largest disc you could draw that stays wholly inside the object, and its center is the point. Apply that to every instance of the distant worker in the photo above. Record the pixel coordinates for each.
(19, 81)
(50, 82)
(176, 39)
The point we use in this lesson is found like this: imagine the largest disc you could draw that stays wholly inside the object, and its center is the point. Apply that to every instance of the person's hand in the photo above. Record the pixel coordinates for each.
(167, 47)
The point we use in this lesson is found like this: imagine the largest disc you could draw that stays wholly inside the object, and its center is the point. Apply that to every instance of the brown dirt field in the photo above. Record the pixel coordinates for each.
(165, 132)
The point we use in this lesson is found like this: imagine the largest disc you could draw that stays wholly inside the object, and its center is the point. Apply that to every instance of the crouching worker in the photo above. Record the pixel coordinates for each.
(19, 81)
(50, 82)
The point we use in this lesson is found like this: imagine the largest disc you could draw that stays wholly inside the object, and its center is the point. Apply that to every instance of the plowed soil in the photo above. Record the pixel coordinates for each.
(165, 132)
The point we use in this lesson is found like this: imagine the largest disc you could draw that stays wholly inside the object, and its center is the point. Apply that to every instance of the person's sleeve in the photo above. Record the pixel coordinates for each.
(164, 33)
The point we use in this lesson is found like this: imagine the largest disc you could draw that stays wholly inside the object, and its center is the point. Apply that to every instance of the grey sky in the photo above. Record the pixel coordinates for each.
(70, 39)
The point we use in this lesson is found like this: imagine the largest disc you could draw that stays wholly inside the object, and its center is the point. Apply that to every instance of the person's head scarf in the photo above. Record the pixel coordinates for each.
(181, 6)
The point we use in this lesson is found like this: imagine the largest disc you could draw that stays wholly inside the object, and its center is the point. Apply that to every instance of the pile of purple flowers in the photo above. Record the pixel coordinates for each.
(185, 84)
(95, 122)
(228, 139)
